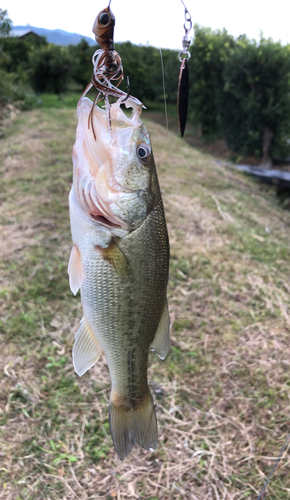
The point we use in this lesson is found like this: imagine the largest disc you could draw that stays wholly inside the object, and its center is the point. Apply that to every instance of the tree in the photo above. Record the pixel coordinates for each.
(50, 68)
(17, 52)
(240, 91)
(5, 23)
(209, 52)
(143, 66)
(257, 97)
(82, 67)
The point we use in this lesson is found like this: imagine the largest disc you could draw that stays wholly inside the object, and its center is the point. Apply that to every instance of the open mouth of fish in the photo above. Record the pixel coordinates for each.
(109, 176)
(104, 221)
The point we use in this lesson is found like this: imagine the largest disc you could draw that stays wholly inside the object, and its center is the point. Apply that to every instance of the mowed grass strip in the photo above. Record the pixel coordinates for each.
(222, 395)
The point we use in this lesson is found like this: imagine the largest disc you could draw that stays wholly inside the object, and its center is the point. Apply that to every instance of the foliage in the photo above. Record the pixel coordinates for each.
(7, 89)
(81, 56)
(50, 68)
(257, 95)
(239, 88)
(143, 66)
(13, 92)
(209, 51)
(17, 51)
(5, 23)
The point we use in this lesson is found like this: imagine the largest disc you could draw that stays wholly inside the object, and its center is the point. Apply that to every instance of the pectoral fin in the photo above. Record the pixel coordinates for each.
(75, 270)
(161, 340)
(86, 350)
(117, 259)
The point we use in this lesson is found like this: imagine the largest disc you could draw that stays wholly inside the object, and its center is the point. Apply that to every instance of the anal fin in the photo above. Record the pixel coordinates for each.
(161, 342)
(86, 350)
(75, 270)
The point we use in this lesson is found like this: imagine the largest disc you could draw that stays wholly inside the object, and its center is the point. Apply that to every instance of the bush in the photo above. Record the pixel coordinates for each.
(16, 51)
(81, 57)
(257, 96)
(50, 68)
(7, 88)
(209, 52)
(240, 89)
(143, 66)
(13, 92)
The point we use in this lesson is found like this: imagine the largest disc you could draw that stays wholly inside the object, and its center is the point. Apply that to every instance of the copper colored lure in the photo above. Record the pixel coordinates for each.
(103, 29)
(107, 64)
(182, 96)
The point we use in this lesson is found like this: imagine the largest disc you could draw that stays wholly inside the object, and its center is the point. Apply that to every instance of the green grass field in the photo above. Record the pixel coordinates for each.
(222, 395)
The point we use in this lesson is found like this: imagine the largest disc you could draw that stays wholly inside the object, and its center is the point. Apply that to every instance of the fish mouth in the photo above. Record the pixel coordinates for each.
(105, 222)
(97, 183)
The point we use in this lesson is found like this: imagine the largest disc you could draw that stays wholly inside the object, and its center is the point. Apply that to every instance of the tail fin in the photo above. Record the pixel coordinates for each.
(136, 425)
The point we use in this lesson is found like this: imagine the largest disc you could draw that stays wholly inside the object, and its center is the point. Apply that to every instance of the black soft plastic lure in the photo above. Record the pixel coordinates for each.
(183, 84)
(182, 96)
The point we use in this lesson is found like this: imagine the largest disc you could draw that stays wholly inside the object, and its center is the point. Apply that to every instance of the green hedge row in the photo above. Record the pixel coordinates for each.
(49, 68)
(238, 88)
(241, 88)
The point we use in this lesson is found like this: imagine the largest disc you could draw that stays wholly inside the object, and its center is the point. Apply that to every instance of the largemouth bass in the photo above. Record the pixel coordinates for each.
(119, 261)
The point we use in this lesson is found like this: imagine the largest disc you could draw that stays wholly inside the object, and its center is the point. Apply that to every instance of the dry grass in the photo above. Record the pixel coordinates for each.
(222, 395)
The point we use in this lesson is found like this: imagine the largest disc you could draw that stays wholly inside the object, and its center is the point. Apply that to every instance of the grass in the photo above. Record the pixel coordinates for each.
(222, 394)
(67, 100)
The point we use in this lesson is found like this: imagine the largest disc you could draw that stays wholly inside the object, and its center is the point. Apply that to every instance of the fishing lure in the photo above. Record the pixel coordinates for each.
(183, 84)
(107, 64)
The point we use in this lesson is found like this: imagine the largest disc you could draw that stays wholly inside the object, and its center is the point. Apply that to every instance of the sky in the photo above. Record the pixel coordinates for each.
(157, 22)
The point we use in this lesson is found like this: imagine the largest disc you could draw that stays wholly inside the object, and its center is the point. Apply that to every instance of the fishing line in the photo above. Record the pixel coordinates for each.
(165, 104)
(274, 468)
(167, 127)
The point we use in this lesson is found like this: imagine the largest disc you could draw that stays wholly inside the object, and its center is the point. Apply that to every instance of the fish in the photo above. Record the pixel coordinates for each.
(119, 261)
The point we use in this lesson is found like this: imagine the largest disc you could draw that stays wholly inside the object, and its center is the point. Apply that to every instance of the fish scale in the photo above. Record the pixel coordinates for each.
(116, 310)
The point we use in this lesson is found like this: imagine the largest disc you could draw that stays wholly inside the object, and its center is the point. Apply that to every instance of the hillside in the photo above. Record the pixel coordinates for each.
(58, 37)
(222, 394)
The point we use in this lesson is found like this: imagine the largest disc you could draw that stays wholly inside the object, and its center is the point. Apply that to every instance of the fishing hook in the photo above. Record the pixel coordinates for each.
(107, 65)
(128, 90)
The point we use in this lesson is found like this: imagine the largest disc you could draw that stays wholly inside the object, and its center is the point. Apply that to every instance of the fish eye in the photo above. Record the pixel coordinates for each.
(143, 152)
(104, 19)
